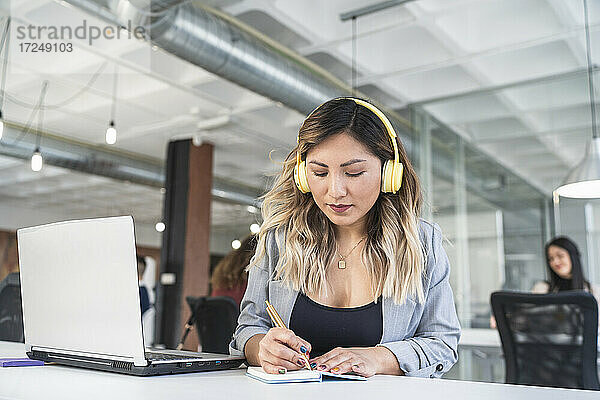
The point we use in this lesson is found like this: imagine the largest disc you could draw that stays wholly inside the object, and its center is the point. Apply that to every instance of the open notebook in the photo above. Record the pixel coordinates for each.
(302, 375)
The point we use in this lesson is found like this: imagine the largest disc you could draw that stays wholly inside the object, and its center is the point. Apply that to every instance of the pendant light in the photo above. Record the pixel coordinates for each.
(584, 180)
(111, 131)
(37, 162)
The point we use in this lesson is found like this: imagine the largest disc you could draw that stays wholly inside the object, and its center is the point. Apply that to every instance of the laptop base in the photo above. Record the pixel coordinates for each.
(128, 368)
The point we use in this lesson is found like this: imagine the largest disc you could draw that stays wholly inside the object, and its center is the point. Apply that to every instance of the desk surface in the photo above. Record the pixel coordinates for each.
(58, 382)
(470, 337)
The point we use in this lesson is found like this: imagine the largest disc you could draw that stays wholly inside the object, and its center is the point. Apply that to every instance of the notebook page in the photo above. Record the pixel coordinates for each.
(302, 375)
(297, 376)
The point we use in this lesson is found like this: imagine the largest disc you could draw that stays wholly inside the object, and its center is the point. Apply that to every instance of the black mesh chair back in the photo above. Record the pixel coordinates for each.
(216, 319)
(548, 339)
(11, 311)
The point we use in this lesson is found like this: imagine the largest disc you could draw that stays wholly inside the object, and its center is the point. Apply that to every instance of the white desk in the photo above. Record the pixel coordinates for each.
(64, 383)
(480, 338)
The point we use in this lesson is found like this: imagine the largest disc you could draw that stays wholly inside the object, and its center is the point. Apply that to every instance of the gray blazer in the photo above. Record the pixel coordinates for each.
(422, 336)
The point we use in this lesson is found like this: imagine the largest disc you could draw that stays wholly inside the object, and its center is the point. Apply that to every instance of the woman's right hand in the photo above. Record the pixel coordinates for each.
(280, 351)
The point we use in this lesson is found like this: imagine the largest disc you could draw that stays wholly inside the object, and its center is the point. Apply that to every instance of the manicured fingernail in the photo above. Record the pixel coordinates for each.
(300, 363)
(322, 366)
(281, 370)
(313, 365)
(303, 349)
(335, 370)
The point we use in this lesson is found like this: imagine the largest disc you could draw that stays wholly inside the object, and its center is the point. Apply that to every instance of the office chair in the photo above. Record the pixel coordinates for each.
(11, 311)
(215, 319)
(548, 339)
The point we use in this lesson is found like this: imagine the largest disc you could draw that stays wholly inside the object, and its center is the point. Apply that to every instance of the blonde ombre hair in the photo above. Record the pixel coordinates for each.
(393, 253)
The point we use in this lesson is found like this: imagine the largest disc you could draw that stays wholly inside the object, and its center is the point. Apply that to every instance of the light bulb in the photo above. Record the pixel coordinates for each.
(111, 134)
(255, 228)
(581, 190)
(36, 161)
(236, 244)
(160, 227)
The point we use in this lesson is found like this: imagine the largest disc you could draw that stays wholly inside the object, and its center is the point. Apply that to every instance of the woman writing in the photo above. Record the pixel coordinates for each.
(360, 281)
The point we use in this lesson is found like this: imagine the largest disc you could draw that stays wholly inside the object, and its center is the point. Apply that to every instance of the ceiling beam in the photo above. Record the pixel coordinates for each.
(384, 5)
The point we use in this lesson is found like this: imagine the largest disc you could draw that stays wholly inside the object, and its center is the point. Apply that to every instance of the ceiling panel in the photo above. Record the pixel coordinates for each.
(415, 45)
(332, 64)
(562, 118)
(552, 94)
(322, 18)
(471, 108)
(229, 93)
(527, 63)
(495, 127)
(489, 24)
(429, 84)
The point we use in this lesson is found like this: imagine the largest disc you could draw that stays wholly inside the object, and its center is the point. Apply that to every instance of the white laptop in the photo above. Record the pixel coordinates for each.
(81, 303)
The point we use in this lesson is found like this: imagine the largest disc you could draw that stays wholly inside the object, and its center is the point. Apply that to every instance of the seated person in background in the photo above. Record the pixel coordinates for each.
(11, 312)
(230, 277)
(563, 261)
(144, 297)
(361, 282)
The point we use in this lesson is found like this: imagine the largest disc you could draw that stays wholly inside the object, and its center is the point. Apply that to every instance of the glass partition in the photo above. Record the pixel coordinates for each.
(493, 224)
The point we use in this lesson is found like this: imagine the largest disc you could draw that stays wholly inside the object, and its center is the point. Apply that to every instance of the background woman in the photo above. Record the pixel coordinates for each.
(361, 282)
(230, 277)
(563, 261)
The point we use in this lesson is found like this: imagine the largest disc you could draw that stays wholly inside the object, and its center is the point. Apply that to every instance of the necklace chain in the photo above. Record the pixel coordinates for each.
(342, 261)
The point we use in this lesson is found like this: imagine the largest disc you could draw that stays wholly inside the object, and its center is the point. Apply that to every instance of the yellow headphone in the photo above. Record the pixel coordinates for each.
(391, 175)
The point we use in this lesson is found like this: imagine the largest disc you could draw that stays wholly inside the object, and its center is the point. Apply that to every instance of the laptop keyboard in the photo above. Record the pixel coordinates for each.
(167, 357)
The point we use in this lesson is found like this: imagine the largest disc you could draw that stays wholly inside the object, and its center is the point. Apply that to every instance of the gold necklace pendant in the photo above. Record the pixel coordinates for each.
(342, 261)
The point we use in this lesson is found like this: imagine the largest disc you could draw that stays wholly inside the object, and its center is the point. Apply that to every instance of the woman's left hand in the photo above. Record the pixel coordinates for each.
(362, 361)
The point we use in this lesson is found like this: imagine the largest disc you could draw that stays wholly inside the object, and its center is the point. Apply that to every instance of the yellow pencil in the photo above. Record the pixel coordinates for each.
(277, 321)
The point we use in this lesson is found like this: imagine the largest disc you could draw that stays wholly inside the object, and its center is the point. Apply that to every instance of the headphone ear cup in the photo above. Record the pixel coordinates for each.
(398, 172)
(386, 177)
(300, 177)
(391, 176)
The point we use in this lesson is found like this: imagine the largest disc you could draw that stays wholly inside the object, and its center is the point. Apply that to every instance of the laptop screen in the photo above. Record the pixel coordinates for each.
(80, 288)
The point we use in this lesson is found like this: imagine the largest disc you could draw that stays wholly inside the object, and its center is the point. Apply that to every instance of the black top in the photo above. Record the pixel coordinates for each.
(327, 327)
(144, 299)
